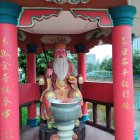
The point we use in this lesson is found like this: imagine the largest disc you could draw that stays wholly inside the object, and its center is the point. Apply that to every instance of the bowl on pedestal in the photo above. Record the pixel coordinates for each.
(65, 115)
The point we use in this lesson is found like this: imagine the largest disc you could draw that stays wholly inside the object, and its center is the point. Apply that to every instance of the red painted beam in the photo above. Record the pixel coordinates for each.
(102, 92)
(90, 14)
(29, 15)
(28, 92)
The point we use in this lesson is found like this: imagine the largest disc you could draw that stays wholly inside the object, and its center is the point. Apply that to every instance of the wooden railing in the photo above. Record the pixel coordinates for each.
(99, 94)
(28, 94)
(108, 113)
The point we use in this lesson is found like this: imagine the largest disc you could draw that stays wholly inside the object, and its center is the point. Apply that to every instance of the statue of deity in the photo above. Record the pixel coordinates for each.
(60, 82)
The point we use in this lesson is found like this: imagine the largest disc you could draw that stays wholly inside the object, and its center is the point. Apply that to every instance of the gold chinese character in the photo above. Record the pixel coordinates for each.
(6, 101)
(4, 53)
(126, 93)
(5, 114)
(124, 40)
(5, 65)
(124, 72)
(11, 136)
(6, 137)
(4, 42)
(124, 51)
(5, 77)
(124, 83)
(126, 106)
(124, 61)
(5, 90)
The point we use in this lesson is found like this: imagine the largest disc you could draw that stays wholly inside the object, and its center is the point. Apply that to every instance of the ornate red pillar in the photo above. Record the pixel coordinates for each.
(9, 93)
(82, 70)
(122, 72)
(31, 78)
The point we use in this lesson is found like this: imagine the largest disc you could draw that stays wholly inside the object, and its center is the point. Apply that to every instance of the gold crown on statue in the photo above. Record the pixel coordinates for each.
(60, 40)
(60, 45)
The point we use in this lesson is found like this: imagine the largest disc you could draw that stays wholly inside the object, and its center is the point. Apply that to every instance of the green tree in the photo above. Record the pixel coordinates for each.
(22, 60)
(106, 64)
(136, 63)
(40, 60)
(89, 67)
(96, 65)
(73, 58)
(22, 63)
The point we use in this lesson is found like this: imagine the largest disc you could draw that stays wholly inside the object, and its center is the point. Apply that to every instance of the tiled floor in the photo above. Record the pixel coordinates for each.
(137, 121)
(91, 134)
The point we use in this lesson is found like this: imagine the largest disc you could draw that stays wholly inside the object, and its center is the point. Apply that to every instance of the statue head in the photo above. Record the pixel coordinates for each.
(60, 51)
(60, 64)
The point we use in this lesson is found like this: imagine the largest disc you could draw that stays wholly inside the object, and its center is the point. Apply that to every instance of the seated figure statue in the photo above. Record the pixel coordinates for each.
(60, 82)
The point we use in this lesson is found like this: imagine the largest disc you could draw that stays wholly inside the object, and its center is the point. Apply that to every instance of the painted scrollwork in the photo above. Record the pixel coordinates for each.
(73, 1)
(21, 35)
(98, 33)
(68, 1)
(51, 39)
(60, 1)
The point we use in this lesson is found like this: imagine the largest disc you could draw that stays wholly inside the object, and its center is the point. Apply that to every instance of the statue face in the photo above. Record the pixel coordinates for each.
(60, 51)
(60, 64)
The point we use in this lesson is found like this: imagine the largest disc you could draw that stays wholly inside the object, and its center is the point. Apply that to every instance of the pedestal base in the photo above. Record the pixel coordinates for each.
(65, 132)
(32, 122)
(45, 133)
(85, 118)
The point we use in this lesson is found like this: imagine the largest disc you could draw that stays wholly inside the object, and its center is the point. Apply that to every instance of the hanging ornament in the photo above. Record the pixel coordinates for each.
(68, 1)
(73, 1)
(84, 1)
(60, 1)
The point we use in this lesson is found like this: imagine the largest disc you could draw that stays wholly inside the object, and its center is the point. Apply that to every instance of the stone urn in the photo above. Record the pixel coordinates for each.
(65, 115)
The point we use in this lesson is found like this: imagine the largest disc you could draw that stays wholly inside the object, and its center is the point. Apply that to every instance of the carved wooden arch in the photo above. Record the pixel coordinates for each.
(29, 14)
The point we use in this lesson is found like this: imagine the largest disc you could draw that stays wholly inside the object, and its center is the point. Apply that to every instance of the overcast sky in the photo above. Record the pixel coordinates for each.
(102, 51)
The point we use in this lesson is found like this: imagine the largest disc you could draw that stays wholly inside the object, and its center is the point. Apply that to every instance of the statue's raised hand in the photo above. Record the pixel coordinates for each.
(49, 72)
(73, 81)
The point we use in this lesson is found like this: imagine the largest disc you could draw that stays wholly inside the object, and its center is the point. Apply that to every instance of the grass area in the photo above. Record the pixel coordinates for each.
(24, 112)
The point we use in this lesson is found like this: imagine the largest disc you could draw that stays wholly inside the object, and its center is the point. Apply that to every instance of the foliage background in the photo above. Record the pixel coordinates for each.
(105, 65)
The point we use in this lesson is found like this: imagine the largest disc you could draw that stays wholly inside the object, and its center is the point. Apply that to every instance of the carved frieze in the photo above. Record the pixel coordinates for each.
(68, 1)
